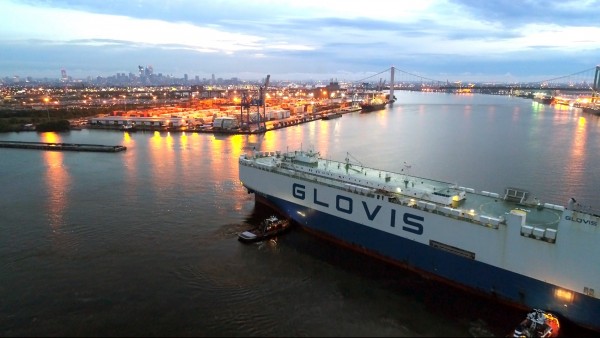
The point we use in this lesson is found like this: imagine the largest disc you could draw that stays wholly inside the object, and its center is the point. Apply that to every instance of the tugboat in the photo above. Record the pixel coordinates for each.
(538, 323)
(269, 227)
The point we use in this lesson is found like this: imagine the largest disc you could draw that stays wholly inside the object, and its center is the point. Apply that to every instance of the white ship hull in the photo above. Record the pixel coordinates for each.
(542, 256)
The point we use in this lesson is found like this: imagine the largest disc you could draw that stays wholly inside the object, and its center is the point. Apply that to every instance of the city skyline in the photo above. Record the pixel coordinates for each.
(503, 41)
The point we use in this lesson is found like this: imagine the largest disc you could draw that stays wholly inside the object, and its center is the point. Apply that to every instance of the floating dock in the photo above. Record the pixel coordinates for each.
(62, 146)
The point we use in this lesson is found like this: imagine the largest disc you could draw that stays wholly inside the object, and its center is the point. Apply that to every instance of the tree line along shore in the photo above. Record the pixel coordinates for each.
(44, 120)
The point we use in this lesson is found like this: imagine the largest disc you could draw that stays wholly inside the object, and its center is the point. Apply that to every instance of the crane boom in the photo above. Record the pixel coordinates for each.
(263, 98)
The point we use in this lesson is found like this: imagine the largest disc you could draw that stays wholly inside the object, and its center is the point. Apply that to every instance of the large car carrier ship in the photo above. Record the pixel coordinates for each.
(510, 246)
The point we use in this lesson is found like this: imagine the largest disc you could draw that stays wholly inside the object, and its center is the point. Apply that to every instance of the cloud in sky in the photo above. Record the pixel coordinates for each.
(496, 40)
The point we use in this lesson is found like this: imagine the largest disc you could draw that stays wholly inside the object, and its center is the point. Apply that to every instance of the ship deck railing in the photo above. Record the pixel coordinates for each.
(484, 209)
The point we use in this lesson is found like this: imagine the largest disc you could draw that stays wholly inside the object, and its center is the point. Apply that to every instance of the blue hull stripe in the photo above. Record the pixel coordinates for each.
(512, 288)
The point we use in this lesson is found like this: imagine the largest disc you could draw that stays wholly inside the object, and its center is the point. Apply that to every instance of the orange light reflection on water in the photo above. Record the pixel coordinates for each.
(50, 137)
(184, 141)
(161, 160)
(237, 142)
(268, 142)
(575, 171)
(127, 140)
(324, 135)
(57, 182)
(227, 150)
(223, 145)
(169, 139)
(218, 165)
(189, 146)
(129, 162)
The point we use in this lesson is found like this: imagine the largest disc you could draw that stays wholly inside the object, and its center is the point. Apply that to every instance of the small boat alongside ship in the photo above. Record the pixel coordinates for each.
(269, 227)
(538, 323)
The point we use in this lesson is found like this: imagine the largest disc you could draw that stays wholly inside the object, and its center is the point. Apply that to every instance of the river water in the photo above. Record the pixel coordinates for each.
(144, 242)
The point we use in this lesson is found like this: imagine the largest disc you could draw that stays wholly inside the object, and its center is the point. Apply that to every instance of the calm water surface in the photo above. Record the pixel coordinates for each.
(143, 242)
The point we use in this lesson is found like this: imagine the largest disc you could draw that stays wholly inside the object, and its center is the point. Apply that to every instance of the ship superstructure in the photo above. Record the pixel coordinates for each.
(510, 245)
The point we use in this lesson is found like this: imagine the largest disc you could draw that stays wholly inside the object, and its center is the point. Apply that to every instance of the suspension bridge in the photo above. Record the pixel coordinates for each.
(585, 82)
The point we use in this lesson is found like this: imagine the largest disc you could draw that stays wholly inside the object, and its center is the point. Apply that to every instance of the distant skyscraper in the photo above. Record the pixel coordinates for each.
(63, 75)
(213, 79)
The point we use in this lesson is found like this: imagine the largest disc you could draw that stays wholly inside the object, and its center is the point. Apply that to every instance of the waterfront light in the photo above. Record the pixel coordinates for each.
(46, 100)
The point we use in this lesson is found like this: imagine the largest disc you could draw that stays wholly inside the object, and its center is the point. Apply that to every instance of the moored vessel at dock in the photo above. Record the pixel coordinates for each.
(509, 246)
(374, 102)
(331, 115)
(372, 106)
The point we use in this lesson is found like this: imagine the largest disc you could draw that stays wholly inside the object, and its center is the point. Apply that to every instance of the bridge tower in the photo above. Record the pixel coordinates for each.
(392, 99)
(596, 85)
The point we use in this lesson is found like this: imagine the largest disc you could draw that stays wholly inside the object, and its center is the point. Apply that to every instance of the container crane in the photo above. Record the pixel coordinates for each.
(263, 102)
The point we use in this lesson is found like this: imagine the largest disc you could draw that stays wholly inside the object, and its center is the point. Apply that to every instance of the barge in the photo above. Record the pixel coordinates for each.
(62, 146)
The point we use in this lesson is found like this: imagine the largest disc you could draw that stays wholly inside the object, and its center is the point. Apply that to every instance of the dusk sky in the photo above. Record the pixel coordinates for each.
(455, 40)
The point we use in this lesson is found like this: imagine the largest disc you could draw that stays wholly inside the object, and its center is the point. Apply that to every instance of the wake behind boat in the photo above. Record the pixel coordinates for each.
(269, 227)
